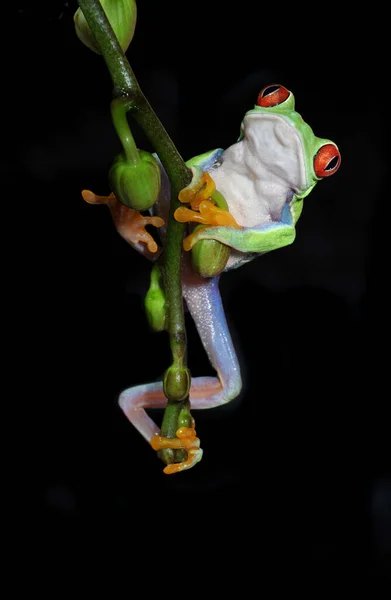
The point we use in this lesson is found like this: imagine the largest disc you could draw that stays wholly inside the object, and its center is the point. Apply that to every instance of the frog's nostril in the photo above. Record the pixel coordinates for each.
(272, 95)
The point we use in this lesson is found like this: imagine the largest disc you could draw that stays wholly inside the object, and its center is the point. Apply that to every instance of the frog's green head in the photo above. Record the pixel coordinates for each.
(281, 138)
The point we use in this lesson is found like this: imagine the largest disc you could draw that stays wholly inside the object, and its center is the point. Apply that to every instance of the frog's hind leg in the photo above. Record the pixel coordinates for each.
(204, 303)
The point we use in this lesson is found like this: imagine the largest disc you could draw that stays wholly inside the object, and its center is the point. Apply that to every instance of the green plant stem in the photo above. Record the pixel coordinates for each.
(125, 84)
(119, 108)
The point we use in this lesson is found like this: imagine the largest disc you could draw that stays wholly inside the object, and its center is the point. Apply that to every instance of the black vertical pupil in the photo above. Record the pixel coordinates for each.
(332, 164)
(270, 90)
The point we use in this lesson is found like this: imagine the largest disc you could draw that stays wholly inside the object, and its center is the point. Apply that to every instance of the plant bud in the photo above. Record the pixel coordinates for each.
(155, 302)
(136, 185)
(176, 383)
(122, 16)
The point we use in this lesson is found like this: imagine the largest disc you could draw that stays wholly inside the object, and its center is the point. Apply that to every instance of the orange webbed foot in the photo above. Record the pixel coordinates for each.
(185, 439)
(136, 232)
(201, 188)
(200, 194)
(129, 223)
(92, 198)
(209, 215)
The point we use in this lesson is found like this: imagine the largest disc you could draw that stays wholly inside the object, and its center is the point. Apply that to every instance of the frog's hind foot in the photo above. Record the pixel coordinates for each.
(185, 439)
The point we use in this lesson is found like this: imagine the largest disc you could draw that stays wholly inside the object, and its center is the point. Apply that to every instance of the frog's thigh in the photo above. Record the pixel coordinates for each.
(204, 303)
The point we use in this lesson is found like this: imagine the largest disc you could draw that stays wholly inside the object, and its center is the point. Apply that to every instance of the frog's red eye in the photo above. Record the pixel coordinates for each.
(272, 95)
(327, 160)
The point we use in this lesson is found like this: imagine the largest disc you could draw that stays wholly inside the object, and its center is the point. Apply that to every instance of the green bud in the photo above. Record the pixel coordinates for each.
(122, 16)
(185, 419)
(136, 185)
(176, 383)
(155, 302)
(209, 257)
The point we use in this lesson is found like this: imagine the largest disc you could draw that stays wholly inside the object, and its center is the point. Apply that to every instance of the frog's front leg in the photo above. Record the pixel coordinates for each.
(258, 240)
(204, 302)
(208, 206)
(220, 225)
(129, 223)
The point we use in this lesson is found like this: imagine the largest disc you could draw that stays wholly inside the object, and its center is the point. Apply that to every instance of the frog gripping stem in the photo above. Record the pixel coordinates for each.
(185, 439)
(274, 143)
(209, 257)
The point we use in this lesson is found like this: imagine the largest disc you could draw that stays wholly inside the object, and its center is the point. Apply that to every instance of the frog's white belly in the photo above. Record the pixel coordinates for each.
(258, 174)
(251, 201)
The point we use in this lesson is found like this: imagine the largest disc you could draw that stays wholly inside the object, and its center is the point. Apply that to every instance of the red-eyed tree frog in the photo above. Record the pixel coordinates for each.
(248, 198)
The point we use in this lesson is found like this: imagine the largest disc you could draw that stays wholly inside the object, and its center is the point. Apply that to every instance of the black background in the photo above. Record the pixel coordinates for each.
(298, 465)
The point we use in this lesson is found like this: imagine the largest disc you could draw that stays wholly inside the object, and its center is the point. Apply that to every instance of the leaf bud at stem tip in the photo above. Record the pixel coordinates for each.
(176, 383)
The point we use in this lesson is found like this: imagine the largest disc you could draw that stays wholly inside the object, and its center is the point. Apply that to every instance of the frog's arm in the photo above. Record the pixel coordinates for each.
(205, 161)
(266, 237)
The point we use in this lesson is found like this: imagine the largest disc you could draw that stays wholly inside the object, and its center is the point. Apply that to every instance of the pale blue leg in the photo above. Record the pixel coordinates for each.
(134, 400)
(204, 302)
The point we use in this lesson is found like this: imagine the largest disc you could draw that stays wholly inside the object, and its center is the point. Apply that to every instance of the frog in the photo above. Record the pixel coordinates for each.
(248, 198)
